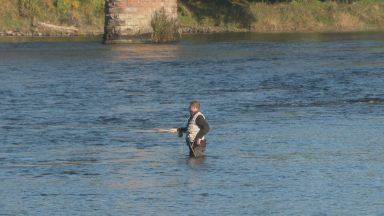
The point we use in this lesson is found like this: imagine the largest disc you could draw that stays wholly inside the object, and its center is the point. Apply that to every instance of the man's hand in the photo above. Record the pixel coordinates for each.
(198, 141)
(180, 132)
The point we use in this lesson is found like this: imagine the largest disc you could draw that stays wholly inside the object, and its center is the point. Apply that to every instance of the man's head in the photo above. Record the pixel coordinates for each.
(194, 107)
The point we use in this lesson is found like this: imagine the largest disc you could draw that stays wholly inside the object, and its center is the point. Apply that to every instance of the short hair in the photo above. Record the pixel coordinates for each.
(195, 103)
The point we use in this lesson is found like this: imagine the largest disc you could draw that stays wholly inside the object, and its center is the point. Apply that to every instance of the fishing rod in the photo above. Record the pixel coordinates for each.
(180, 133)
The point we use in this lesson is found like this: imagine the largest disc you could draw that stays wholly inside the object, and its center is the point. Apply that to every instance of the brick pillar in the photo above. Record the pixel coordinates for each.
(129, 20)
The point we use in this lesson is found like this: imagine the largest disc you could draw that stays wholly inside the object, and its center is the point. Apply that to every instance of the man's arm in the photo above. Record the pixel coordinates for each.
(203, 125)
(182, 129)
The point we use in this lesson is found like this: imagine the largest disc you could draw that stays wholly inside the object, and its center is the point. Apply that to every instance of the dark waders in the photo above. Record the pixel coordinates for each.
(196, 150)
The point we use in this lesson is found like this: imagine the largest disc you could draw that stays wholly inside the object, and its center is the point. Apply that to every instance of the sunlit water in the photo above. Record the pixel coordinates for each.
(296, 126)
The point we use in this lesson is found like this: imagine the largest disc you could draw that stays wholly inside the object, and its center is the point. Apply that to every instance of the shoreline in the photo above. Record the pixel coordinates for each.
(11, 33)
(245, 34)
(192, 31)
(184, 30)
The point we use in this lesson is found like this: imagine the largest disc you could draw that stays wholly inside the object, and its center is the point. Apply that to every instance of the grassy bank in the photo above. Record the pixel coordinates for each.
(84, 17)
(51, 17)
(316, 16)
(295, 16)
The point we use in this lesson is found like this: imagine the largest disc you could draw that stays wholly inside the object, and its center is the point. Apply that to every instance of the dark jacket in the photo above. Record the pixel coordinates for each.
(201, 123)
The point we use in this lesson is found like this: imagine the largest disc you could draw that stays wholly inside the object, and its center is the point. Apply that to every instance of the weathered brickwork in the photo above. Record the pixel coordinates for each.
(129, 20)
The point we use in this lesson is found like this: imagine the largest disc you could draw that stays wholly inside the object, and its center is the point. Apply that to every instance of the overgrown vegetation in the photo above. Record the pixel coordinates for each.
(22, 15)
(218, 12)
(281, 15)
(313, 15)
(27, 8)
(165, 28)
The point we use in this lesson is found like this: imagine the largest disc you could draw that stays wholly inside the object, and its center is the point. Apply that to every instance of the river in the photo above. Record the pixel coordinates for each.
(296, 126)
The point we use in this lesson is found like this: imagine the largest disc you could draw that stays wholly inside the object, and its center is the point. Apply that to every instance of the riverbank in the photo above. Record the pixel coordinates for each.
(49, 19)
(311, 16)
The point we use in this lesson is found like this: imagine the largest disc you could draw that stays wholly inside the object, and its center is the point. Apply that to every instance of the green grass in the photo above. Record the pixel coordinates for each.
(295, 16)
(22, 15)
(318, 16)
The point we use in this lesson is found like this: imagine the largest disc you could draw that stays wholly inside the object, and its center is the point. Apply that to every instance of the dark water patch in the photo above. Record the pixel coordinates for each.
(10, 127)
(69, 172)
(298, 104)
(362, 101)
(110, 120)
(285, 38)
(70, 194)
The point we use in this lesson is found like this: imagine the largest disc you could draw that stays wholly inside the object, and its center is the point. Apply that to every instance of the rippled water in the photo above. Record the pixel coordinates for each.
(296, 126)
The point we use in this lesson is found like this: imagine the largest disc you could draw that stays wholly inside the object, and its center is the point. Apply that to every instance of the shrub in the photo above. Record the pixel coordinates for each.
(165, 29)
(27, 8)
(222, 12)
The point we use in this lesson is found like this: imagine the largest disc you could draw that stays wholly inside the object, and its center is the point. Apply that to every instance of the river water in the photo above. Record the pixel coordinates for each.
(296, 126)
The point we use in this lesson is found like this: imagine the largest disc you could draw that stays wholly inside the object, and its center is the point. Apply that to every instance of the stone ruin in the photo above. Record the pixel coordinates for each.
(129, 21)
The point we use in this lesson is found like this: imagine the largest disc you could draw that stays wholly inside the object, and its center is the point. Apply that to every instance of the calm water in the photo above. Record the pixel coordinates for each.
(296, 126)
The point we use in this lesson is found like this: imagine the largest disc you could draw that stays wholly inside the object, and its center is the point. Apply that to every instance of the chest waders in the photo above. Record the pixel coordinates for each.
(192, 131)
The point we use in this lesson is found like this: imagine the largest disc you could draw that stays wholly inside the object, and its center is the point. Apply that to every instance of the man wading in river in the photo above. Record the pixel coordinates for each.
(197, 128)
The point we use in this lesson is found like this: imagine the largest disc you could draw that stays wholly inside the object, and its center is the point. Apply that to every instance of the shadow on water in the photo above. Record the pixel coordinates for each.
(216, 37)
(283, 37)
(49, 39)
